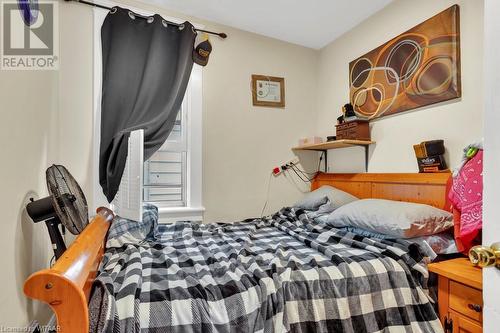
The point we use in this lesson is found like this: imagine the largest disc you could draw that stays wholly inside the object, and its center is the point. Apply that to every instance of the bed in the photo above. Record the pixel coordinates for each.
(283, 273)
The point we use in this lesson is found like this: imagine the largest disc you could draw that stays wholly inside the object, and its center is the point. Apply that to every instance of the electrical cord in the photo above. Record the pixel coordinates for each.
(51, 263)
(306, 172)
(294, 169)
(301, 173)
(267, 195)
(321, 159)
(286, 169)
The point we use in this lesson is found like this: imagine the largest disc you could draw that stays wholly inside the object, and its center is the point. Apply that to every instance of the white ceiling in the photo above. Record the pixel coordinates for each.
(311, 23)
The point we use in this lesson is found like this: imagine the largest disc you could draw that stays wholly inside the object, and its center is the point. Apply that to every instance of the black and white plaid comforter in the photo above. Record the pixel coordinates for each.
(284, 273)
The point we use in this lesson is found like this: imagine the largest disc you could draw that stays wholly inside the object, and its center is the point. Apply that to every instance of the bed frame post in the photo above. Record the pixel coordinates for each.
(66, 286)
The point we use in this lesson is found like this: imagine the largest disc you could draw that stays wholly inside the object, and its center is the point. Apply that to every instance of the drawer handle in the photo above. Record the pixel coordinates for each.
(448, 325)
(475, 307)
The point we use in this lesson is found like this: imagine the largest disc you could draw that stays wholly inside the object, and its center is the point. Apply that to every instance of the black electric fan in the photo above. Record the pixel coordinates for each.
(66, 205)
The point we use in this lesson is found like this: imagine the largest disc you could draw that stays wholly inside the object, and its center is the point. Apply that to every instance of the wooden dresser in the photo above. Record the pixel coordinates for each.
(460, 296)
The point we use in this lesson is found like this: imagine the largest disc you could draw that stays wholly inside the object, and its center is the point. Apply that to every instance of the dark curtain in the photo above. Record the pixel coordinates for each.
(146, 69)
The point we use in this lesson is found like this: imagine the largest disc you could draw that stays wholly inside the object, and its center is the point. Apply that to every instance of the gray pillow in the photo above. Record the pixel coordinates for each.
(392, 218)
(325, 199)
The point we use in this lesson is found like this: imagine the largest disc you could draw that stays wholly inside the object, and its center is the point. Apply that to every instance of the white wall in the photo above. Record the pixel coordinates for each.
(491, 214)
(28, 112)
(458, 122)
(241, 143)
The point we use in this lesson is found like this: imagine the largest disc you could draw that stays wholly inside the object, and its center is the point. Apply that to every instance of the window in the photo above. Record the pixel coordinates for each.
(165, 172)
(172, 176)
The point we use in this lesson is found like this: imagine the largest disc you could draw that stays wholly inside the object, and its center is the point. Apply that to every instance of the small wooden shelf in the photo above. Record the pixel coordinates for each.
(334, 145)
(325, 146)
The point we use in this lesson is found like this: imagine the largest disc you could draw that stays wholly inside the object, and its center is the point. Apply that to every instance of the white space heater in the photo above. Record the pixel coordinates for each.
(128, 200)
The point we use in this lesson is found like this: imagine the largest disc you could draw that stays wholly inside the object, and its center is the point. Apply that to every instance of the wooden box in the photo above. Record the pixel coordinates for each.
(354, 130)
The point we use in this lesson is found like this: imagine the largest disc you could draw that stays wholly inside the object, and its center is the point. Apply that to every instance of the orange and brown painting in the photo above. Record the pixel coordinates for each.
(417, 68)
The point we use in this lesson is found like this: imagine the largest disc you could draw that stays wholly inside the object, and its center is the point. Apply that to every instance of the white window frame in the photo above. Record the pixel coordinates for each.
(180, 146)
(193, 209)
(193, 100)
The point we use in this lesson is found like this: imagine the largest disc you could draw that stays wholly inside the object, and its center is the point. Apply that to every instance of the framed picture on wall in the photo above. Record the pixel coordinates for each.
(268, 91)
(419, 67)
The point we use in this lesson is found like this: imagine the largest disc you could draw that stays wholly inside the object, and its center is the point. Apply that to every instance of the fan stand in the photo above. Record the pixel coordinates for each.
(56, 239)
(43, 210)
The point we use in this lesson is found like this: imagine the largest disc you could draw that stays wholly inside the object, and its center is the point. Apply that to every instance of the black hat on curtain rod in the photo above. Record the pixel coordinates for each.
(202, 52)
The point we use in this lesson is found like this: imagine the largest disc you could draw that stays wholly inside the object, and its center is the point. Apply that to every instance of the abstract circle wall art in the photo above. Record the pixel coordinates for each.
(417, 68)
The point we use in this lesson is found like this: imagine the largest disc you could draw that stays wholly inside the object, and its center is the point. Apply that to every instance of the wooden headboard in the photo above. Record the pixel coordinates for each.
(426, 188)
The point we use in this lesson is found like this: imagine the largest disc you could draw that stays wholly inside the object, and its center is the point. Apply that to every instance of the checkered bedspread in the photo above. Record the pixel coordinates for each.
(283, 273)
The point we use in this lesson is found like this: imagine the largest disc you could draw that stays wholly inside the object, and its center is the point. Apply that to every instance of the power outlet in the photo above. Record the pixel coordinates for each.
(290, 163)
(286, 165)
(294, 161)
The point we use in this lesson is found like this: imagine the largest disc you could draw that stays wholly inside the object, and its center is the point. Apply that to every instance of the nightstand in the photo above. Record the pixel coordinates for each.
(460, 295)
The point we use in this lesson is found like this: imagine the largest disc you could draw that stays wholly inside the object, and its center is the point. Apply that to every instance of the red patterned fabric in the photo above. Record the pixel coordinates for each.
(466, 195)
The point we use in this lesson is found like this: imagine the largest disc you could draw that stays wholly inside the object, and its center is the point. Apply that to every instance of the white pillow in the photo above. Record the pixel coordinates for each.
(392, 218)
(326, 198)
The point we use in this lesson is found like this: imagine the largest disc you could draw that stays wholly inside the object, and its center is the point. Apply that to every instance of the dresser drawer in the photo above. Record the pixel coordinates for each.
(462, 324)
(466, 300)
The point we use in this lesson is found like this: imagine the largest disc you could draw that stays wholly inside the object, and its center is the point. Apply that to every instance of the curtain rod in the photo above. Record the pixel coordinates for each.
(220, 34)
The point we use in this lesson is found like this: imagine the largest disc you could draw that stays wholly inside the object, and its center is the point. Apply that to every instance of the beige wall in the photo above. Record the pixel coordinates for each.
(241, 143)
(75, 92)
(28, 111)
(458, 122)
